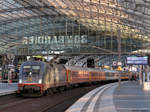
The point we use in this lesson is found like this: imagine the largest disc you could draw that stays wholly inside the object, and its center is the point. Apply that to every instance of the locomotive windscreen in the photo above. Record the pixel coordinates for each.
(31, 70)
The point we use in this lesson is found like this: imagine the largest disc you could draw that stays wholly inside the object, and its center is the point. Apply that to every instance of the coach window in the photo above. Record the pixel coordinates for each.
(74, 73)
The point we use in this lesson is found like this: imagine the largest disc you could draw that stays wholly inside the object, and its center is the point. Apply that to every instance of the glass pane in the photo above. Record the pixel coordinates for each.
(35, 70)
(26, 70)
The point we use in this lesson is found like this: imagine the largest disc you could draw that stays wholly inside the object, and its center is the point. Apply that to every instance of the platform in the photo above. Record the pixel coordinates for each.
(129, 97)
(7, 88)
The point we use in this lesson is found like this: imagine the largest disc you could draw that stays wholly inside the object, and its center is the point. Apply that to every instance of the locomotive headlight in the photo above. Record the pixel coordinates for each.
(20, 80)
(40, 81)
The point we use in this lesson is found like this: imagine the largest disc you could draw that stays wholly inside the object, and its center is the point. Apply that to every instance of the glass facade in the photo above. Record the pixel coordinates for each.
(73, 26)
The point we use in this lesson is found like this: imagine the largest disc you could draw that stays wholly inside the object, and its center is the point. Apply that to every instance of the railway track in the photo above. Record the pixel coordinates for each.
(8, 99)
(57, 102)
(65, 102)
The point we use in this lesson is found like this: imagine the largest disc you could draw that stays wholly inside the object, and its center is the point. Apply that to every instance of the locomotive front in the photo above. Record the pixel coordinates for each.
(30, 78)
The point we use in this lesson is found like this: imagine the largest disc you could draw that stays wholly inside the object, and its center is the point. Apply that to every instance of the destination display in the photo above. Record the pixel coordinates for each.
(137, 60)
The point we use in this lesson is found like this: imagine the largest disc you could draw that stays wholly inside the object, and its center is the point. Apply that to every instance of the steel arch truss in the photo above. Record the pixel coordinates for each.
(100, 22)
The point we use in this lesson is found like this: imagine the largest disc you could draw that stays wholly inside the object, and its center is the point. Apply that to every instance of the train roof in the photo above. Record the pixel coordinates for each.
(90, 69)
(33, 63)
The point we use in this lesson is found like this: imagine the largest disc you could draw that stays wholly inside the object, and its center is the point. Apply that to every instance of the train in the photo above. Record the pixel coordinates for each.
(37, 78)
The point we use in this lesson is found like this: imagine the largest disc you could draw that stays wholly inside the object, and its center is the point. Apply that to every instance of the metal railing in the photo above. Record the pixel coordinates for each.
(8, 86)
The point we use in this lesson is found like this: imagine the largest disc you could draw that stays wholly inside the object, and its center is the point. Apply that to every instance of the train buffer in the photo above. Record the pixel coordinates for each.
(128, 97)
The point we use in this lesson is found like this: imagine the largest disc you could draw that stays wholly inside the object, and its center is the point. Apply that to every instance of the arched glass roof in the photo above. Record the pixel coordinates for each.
(112, 18)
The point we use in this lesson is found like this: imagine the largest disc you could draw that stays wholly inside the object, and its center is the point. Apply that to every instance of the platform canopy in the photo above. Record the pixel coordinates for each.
(46, 26)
